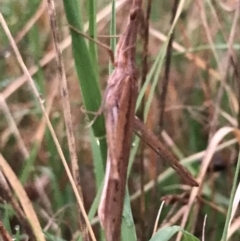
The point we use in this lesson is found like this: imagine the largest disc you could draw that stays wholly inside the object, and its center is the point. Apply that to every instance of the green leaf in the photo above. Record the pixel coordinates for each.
(164, 234)
(128, 228)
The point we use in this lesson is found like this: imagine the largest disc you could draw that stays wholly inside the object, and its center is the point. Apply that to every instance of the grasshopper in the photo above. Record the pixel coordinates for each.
(118, 105)
(119, 109)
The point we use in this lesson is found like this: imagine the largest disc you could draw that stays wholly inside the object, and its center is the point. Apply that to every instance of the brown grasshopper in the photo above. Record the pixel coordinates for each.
(119, 108)
(119, 104)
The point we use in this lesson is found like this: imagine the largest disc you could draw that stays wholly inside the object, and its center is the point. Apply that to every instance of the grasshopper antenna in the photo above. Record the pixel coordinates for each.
(96, 114)
(110, 52)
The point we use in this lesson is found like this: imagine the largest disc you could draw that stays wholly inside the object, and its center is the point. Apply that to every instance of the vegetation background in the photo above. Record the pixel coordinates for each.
(190, 100)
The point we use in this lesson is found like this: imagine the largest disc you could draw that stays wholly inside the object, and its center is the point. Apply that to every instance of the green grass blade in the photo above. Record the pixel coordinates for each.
(92, 32)
(29, 164)
(128, 230)
(95, 204)
(97, 160)
(164, 234)
(86, 72)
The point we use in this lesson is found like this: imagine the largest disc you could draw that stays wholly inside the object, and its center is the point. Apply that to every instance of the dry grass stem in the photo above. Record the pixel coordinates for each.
(22, 196)
(176, 217)
(68, 120)
(204, 227)
(157, 219)
(13, 127)
(27, 27)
